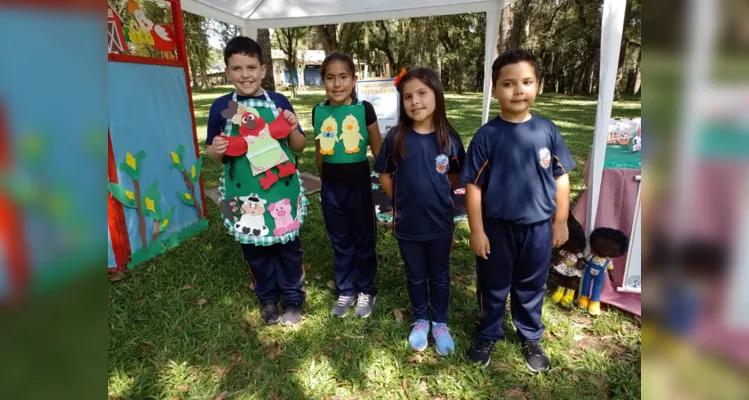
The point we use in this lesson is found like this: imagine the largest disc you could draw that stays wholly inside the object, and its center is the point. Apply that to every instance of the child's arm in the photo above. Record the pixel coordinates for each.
(562, 165)
(479, 241)
(473, 174)
(386, 182)
(318, 158)
(457, 158)
(560, 232)
(215, 144)
(296, 138)
(375, 138)
(384, 164)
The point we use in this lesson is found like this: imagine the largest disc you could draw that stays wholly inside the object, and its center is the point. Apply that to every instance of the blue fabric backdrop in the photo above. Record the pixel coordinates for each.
(149, 110)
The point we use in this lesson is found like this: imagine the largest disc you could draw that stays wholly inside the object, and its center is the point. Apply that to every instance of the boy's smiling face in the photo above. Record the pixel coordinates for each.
(246, 73)
(516, 88)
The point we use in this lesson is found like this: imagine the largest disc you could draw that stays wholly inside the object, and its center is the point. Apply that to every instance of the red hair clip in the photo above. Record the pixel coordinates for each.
(400, 75)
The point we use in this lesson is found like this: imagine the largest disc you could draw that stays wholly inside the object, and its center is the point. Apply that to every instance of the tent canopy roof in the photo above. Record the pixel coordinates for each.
(290, 13)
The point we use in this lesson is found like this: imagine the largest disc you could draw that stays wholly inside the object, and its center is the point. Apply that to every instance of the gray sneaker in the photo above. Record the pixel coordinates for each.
(342, 305)
(364, 305)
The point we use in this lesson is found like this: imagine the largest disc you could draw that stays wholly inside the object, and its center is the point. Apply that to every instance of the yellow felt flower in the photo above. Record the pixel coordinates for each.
(175, 157)
(130, 195)
(187, 196)
(164, 223)
(150, 205)
(130, 160)
(192, 171)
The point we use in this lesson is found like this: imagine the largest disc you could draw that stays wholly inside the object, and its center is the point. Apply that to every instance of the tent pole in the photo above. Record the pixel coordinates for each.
(490, 53)
(611, 39)
(249, 31)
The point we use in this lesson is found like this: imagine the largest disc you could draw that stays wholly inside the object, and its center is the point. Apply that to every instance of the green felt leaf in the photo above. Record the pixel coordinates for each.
(195, 170)
(166, 219)
(141, 155)
(151, 201)
(178, 158)
(122, 195)
(186, 198)
(134, 174)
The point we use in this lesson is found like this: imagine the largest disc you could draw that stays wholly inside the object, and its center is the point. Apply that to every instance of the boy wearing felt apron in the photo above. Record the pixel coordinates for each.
(253, 132)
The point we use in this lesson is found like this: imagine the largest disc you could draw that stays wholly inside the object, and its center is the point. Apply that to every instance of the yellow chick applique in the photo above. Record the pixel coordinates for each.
(328, 136)
(350, 134)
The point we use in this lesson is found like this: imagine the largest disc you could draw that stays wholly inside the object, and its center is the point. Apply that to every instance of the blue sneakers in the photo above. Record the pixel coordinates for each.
(418, 336)
(443, 341)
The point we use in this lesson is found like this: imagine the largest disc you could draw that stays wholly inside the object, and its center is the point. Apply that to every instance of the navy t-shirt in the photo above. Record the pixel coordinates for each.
(423, 198)
(216, 122)
(515, 164)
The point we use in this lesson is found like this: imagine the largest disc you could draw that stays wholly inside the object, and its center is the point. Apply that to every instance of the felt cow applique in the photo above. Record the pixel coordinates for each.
(258, 140)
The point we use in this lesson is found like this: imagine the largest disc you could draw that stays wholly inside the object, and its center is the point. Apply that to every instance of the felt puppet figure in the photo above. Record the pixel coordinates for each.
(328, 136)
(569, 264)
(259, 142)
(605, 245)
(350, 134)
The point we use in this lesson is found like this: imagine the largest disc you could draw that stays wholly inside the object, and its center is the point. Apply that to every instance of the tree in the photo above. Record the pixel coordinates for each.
(287, 40)
(263, 39)
(336, 37)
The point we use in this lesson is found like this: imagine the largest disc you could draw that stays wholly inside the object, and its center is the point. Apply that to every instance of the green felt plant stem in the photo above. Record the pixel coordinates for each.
(141, 218)
(190, 185)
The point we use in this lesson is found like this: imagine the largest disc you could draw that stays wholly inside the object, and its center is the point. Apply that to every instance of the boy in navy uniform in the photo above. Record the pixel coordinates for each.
(517, 199)
(274, 256)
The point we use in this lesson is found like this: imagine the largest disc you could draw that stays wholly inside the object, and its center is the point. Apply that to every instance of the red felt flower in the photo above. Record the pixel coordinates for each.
(400, 75)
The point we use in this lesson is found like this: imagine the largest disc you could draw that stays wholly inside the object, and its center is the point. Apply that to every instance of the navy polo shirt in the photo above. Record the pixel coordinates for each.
(216, 122)
(515, 164)
(423, 198)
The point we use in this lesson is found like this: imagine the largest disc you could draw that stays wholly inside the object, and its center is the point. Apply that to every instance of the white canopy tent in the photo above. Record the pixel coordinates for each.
(253, 14)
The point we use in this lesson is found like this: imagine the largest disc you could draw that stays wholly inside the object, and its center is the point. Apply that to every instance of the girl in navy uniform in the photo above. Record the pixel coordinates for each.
(419, 168)
(344, 128)
(517, 199)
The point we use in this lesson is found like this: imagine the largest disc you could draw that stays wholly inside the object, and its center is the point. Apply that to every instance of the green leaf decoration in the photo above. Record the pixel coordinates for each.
(186, 198)
(124, 196)
(177, 158)
(195, 170)
(131, 164)
(151, 201)
(166, 219)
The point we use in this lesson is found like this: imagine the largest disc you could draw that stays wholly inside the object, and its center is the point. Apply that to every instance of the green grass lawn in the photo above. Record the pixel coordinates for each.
(186, 324)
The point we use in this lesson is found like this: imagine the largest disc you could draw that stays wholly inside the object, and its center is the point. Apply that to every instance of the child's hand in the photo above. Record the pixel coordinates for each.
(559, 233)
(480, 244)
(291, 118)
(220, 145)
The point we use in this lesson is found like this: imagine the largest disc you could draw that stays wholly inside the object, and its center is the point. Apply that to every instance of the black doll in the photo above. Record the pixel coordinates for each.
(605, 245)
(568, 264)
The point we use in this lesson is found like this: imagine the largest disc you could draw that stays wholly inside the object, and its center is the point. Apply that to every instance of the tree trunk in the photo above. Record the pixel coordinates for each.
(291, 63)
(505, 24)
(263, 39)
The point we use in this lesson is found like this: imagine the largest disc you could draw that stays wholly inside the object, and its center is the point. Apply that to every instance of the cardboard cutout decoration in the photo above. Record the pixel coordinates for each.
(115, 34)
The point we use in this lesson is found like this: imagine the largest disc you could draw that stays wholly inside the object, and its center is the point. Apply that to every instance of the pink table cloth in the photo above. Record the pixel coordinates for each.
(616, 209)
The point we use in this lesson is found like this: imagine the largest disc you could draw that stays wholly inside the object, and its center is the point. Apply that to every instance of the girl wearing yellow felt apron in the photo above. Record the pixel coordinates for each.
(253, 131)
(344, 128)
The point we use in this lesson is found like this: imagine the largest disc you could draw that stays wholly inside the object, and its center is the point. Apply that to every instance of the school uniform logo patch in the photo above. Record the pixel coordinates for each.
(544, 157)
(442, 163)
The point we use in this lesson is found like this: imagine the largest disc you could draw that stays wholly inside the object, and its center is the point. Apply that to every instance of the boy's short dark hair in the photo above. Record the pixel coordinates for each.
(245, 46)
(511, 57)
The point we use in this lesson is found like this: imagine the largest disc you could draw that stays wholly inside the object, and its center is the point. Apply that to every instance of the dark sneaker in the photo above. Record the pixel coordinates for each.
(292, 314)
(364, 304)
(535, 358)
(340, 309)
(269, 312)
(481, 351)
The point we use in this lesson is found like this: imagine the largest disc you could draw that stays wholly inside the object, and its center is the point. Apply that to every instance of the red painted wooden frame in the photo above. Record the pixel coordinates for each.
(12, 232)
(117, 224)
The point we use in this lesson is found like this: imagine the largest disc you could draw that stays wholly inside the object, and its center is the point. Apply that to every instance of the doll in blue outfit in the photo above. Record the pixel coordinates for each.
(605, 245)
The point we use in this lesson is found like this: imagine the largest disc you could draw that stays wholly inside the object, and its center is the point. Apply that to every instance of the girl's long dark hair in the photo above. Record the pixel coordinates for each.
(442, 128)
(346, 60)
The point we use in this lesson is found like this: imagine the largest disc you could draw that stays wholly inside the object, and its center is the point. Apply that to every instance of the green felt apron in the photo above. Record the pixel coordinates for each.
(253, 214)
(342, 133)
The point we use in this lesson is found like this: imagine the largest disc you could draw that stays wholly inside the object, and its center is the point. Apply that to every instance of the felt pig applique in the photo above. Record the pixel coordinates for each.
(281, 213)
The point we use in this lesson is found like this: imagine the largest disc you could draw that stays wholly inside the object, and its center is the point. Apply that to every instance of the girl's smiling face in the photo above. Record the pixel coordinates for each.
(418, 100)
(339, 82)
